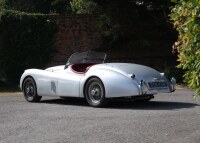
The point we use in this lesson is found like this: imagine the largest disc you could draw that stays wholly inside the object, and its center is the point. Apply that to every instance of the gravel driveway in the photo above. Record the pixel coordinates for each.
(169, 118)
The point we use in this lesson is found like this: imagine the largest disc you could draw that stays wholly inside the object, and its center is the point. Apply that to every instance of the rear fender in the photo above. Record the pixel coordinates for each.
(115, 84)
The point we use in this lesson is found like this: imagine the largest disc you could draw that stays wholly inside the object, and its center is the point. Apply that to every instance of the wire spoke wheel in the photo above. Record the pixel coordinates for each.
(30, 90)
(95, 93)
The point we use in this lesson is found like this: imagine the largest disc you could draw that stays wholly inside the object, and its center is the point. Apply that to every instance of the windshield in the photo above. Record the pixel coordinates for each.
(87, 57)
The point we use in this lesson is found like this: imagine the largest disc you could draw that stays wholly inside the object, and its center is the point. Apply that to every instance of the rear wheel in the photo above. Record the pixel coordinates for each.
(95, 93)
(30, 90)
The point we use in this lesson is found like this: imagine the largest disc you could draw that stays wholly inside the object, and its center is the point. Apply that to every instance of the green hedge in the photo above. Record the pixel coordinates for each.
(37, 6)
(186, 18)
(26, 41)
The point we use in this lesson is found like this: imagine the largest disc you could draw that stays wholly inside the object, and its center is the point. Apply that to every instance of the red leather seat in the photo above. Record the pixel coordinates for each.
(81, 68)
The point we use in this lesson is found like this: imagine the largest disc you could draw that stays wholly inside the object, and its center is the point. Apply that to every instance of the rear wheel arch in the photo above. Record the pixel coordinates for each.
(87, 82)
(94, 92)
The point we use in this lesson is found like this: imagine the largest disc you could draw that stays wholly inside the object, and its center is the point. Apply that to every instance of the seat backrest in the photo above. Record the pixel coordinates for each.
(81, 68)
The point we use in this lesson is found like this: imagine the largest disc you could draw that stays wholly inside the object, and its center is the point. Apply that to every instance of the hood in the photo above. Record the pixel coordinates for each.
(140, 71)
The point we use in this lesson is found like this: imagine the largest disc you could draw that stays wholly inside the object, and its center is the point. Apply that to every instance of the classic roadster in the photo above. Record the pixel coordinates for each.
(85, 75)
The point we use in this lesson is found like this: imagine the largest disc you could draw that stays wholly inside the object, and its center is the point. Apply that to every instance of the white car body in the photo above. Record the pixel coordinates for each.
(119, 80)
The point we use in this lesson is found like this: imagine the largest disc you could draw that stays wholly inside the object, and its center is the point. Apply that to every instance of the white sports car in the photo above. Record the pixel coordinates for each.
(85, 75)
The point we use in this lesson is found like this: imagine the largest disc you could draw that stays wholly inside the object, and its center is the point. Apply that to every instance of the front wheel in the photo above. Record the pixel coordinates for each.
(30, 90)
(95, 93)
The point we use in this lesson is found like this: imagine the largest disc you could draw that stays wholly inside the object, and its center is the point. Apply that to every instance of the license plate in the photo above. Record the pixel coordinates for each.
(157, 84)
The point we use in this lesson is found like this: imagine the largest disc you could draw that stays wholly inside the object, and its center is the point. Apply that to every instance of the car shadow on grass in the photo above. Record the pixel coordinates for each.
(126, 104)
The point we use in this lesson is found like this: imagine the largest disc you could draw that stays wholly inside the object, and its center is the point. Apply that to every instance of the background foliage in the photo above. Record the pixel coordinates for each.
(126, 25)
(84, 7)
(2, 4)
(37, 6)
(186, 19)
(25, 42)
(130, 23)
(134, 25)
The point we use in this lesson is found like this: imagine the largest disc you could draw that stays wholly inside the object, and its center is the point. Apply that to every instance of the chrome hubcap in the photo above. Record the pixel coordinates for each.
(29, 90)
(95, 92)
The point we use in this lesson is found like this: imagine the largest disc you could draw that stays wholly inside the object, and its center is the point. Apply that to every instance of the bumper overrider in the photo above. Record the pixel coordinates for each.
(161, 86)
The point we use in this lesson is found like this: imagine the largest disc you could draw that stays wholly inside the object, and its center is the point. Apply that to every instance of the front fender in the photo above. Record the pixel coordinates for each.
(30, 72)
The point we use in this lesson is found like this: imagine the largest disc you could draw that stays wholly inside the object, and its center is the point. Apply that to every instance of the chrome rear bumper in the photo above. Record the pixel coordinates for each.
(145, 88)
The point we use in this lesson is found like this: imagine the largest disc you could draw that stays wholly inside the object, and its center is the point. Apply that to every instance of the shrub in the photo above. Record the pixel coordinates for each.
(26, 41)
(175, 72)
(84, 7)
(2, 4)
(186, 18)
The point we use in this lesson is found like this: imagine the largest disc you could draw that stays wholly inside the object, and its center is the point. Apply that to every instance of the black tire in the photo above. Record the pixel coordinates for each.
(95, 93)
(30, 90)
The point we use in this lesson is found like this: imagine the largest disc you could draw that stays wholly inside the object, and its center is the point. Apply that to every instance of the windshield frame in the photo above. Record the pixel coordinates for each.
(86, 57)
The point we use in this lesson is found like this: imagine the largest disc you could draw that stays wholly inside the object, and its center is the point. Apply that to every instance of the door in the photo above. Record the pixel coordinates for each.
(59, 83)
(69, 85)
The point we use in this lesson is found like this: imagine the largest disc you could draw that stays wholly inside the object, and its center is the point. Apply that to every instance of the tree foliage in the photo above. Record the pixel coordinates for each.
(38, 6)
(84, 7)
(186, 18)
(129, 23)
(2, 4)
(134, 25)
(26, 41)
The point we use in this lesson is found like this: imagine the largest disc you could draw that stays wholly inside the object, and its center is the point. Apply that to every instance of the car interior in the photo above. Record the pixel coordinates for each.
(81, 68)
